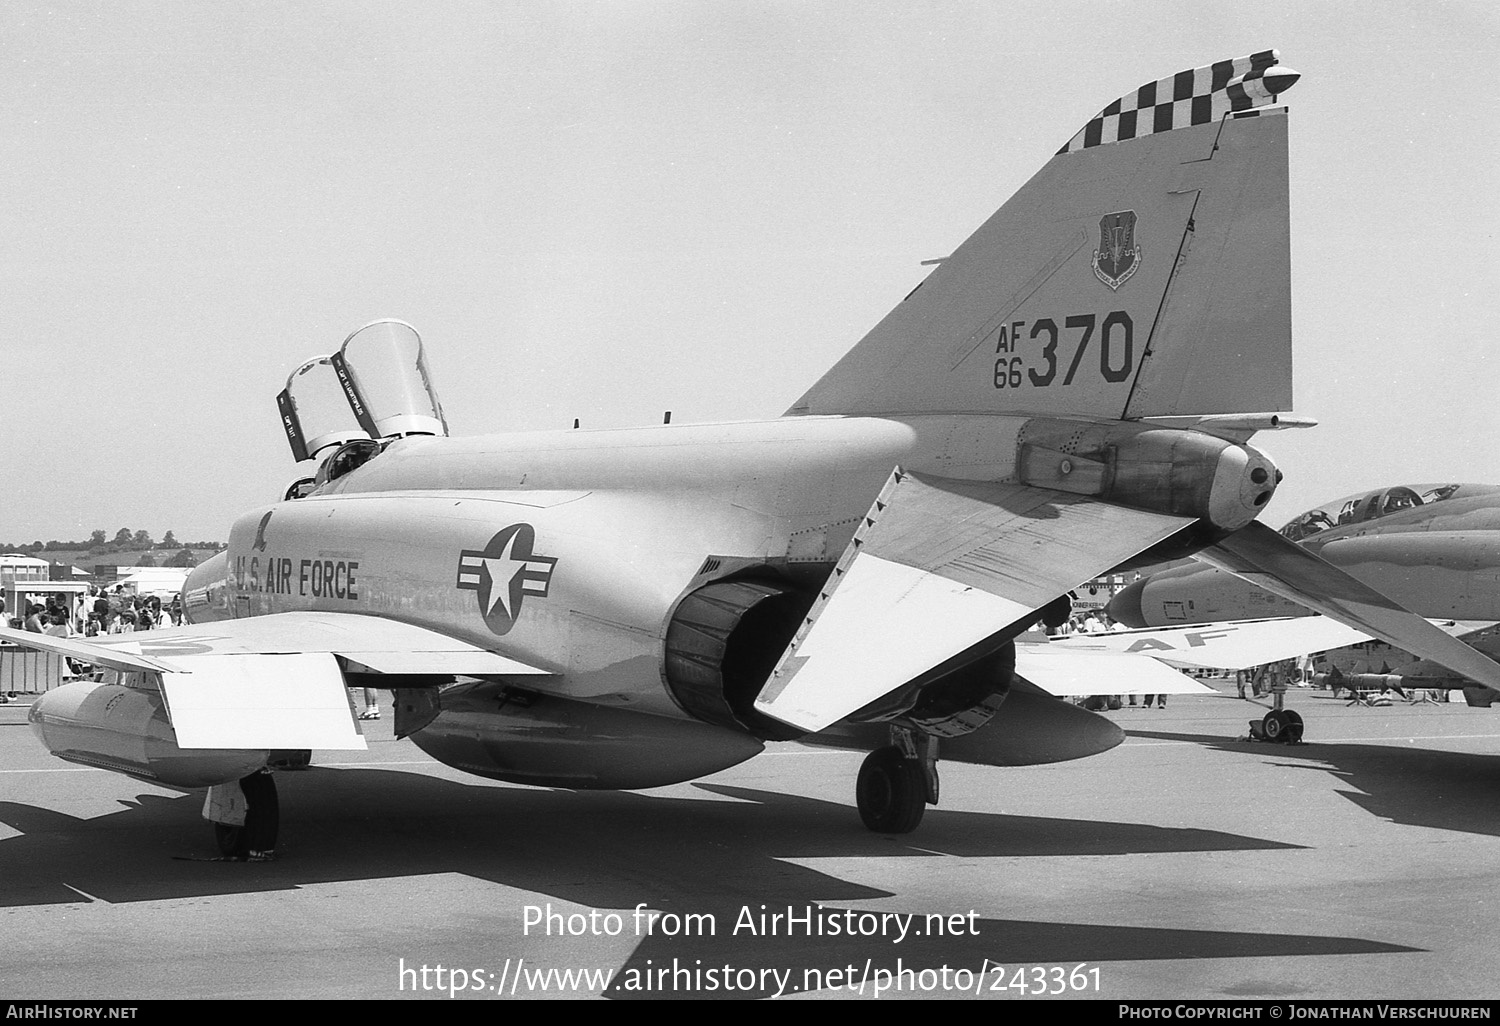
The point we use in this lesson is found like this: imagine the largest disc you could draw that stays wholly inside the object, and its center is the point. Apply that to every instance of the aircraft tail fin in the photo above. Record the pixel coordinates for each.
(1144, 271)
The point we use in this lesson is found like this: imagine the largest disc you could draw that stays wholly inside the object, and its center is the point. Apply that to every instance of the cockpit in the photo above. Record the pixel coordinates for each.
(1358, 509)
(344, 409)
(349, 456)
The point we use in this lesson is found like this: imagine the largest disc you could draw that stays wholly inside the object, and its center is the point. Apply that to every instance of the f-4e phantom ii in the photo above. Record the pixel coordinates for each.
(1070, 391)
(1432, 548)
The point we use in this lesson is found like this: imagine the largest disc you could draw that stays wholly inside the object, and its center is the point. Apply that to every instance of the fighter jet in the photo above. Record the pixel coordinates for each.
(1432, 548)
(1070, 391)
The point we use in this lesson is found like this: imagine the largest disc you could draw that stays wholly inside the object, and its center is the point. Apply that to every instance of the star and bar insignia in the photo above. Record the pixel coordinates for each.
(503, 573)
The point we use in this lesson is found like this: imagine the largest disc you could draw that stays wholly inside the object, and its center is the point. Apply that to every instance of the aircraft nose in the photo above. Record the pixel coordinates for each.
(1126, 605)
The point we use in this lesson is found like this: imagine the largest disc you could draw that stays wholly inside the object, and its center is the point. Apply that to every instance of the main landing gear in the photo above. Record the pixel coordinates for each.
(258, 811)
(1283, 725)
(1280, 725)
(896, 783)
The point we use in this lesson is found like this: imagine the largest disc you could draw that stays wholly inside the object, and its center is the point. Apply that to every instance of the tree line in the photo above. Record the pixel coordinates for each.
(124, 540)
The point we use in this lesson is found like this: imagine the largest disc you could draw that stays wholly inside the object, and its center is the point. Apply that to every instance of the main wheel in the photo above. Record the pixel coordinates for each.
(891, 793)
(1293, 726)
(262, 819)
(1275, 725)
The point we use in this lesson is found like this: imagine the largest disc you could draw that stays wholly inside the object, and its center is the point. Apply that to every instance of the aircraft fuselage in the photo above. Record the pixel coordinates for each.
(574, 546)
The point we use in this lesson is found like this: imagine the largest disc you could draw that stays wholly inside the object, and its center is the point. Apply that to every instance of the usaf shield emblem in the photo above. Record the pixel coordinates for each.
(1117, 257)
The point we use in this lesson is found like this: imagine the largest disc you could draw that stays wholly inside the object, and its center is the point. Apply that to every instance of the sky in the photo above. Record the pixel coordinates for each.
(607, 210)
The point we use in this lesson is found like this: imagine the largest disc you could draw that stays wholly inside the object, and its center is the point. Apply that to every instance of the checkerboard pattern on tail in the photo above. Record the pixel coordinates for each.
(1187, 98)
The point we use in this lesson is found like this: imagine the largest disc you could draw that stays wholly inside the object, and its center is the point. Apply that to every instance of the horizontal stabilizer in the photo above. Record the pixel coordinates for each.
(1263, 557)
(1066, 673)
(261, 701)
(936, 567)
(1235, 427)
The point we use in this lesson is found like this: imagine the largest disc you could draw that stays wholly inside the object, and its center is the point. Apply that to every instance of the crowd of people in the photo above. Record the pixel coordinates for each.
(99, 611)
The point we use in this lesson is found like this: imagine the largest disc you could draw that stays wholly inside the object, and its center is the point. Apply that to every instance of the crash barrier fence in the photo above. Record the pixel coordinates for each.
(27, 671)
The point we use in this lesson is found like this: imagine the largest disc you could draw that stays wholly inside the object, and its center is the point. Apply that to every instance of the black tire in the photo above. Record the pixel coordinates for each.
(891, 792)
(1293, 726)
(262, 819)
(1275, 725)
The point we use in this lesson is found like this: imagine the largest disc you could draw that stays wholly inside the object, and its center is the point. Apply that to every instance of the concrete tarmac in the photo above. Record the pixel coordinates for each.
(1183, 864)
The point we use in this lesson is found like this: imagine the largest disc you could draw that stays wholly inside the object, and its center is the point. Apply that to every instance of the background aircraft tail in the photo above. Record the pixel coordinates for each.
(1144, 271)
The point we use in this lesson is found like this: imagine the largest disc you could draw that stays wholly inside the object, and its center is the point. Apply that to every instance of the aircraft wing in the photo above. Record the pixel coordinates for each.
(1066, 671)
(273, 681)
(1231, 645)
(385, 646)
(1239, 644)
(116, 658)
(937, 567)
(1263, 557)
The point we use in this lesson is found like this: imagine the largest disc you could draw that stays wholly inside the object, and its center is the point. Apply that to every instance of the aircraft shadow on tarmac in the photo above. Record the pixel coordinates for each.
(1404, 784)
(355, 824)
(611, 850)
